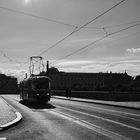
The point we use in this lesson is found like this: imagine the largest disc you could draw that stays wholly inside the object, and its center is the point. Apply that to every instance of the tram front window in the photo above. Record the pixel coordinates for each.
(40, 84)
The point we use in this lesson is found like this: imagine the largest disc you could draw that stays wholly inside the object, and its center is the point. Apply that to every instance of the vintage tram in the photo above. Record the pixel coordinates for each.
(35, 89)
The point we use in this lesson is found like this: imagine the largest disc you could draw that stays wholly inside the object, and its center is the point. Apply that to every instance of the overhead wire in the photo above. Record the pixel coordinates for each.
(35, 16)
(96, 41)
(51, 46)
(8, 58)
(124, 37)
(78, 50)
(54, 45)
(76, 29)
(113, 26)
(59, 22)
(4, 55)
(122, 24)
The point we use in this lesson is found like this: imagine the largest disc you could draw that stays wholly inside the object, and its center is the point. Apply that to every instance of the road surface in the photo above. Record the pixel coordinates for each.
(70, 120)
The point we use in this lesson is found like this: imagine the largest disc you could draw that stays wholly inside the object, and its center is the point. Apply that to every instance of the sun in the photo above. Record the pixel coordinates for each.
(27, 1)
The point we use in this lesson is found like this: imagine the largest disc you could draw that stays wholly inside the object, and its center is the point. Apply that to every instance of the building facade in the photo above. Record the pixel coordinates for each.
(8, 84)
(87, 81)
(117, 81)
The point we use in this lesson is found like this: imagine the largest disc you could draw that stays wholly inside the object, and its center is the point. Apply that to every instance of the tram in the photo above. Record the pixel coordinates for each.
(35, 89)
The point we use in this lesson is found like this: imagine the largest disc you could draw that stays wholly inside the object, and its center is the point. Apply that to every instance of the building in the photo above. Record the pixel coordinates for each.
(8, 84)
(135, 86)
(88, 81)
(117, 81)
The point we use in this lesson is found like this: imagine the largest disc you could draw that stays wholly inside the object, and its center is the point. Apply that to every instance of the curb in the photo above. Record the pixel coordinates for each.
(18, 118)
(13, 122)
(99, 102)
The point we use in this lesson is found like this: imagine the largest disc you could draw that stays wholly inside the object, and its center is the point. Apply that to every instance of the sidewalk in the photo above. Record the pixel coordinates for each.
(126, 104)
(8, 115)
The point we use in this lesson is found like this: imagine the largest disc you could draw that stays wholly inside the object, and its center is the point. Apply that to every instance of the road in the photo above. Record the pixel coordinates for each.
(70, 120)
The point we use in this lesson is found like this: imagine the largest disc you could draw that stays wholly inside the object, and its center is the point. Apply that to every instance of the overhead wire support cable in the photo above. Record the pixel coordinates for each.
(58, 42)
(101, 15)
(79, 28)
(123, 24)
(98, 40)
(82, 48)
(76, 28)
(115, 32)
(93, 27)
(4, 55)
(35, 16)
(105, 31)
(113, 26)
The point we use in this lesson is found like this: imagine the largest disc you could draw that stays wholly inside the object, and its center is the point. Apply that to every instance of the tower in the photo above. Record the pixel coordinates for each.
(47, 68)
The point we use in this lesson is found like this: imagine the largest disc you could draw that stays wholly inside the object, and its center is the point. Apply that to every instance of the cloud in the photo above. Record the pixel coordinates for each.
(18, 73)
(132, 51)
(72, 63)
(114, 65)
(15, 69)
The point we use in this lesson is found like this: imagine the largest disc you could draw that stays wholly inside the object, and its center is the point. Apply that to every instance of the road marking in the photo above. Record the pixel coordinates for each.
(115, 111)
(111, 110)
(126, 113)
(119, 123)
(119, 114)
(90, 126)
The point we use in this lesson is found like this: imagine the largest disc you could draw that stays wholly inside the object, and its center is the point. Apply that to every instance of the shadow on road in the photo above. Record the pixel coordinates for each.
(37, 105)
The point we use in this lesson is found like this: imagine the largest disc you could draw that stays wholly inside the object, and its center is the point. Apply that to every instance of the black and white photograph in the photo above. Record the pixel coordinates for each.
(69, 69)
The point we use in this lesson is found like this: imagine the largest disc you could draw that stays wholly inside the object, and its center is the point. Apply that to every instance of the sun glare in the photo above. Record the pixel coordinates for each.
(27, 1)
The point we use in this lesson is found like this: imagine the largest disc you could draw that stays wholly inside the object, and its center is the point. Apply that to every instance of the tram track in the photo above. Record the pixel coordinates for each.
(129, 115)
(132, 116)
(135, 117)
(113, 124)
(93, 127)
(104, 119)
(87, 119)
(119, 118)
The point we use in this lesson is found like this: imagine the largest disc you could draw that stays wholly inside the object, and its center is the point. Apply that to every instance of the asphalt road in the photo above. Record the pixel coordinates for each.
(70, 120)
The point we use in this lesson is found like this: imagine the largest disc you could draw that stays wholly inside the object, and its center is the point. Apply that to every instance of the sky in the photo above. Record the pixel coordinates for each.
(73, 35)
